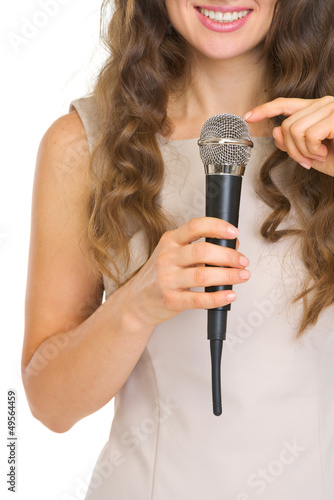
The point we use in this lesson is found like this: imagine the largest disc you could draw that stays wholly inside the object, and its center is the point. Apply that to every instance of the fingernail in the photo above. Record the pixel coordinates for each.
(318, 158)
(231, 296)
(244, 274)
(244, 261)
(247, 115)
(305, 165)
(233, 230)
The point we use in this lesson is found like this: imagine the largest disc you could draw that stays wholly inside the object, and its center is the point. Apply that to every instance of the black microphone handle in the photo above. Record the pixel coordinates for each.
(222, 201)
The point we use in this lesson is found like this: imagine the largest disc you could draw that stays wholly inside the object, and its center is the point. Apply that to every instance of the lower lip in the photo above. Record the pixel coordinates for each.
(222, 27)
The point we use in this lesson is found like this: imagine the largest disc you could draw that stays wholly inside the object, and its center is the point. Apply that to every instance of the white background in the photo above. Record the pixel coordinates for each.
(39, 79)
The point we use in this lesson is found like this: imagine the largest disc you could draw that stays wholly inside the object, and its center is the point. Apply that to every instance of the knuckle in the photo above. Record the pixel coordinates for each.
(216, 301)
(161, 261)
(296, 130)
(194, 225)
(327, 99)
(200, 276)
(196, 301)
(219, 225)
(170, 300)
(166, 237)
(199, 251)
(230, 276)
(285, 126)
(279, 100)
(313, 141)
(231, 257)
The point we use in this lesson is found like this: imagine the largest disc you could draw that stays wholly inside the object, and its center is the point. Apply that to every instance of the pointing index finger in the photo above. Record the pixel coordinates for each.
(279, 106)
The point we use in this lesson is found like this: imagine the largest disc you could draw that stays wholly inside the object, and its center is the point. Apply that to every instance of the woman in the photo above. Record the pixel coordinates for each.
(122, 210)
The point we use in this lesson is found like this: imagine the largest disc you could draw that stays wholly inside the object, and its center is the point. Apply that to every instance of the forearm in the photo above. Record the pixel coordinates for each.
(88, 365)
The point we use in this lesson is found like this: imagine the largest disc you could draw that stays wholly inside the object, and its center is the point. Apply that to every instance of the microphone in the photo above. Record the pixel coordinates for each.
(225, 148)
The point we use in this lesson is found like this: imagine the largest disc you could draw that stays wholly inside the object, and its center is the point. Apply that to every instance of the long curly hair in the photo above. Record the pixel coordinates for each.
(147, 64)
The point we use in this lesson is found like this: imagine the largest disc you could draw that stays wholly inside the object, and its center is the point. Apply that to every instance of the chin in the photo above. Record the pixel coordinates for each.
(221, 54)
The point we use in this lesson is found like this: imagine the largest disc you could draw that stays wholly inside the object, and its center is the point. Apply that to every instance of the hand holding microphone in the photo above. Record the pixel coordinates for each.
(162, 288)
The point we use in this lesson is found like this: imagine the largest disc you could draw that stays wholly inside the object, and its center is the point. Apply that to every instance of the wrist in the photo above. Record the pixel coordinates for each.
(130, 318)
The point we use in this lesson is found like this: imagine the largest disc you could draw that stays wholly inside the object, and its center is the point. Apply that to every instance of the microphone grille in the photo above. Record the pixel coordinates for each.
(225, 126)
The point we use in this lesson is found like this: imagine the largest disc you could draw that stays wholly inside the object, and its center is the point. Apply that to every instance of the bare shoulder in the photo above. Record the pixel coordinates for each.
(65, 144)
(62, 168)
(66, 128)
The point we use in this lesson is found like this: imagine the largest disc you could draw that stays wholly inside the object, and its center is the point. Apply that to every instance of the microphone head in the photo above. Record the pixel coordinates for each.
(225, 140)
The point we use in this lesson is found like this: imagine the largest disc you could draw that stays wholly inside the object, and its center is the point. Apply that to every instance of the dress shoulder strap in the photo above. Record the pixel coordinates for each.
(87, 111)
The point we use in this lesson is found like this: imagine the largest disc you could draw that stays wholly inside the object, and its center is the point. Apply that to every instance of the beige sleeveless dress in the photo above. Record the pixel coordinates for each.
(275, 438)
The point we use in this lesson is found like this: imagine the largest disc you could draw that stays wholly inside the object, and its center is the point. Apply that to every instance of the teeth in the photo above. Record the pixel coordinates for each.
(227, 17)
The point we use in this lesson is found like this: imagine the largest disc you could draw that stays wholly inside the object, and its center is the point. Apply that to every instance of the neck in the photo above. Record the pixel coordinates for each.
(219, 86)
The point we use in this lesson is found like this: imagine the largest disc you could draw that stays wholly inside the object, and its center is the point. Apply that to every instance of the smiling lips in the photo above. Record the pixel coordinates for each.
(223, 19)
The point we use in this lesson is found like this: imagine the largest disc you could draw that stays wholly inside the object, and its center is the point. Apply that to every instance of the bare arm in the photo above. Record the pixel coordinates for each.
(77, 353)
(74, 359)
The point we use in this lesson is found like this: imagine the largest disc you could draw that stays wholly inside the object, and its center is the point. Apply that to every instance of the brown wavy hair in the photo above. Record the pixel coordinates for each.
(147, 65)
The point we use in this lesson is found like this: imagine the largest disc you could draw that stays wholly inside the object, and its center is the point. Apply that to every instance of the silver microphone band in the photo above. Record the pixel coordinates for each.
(212, 141)
(220, 169)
